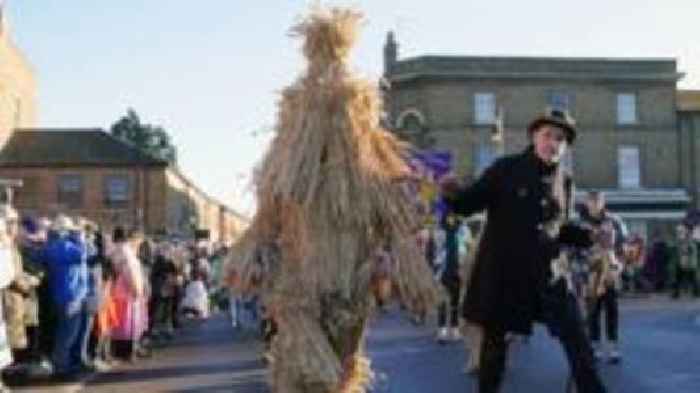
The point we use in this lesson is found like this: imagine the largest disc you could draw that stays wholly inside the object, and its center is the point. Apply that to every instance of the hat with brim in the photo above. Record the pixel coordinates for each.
(556, 118)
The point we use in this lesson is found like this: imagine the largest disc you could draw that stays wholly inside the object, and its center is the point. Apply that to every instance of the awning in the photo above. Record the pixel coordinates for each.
(665, 204)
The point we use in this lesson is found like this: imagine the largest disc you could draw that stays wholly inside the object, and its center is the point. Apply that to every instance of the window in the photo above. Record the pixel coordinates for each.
(411, 120)
(116, 192)
(484, 108)
(628, 167)
(626, 108)
(485, 156)
(559, 100)
(70, 191)
(412, 124)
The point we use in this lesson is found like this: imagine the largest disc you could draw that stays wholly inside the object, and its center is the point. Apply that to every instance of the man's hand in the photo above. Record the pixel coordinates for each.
(575, 235)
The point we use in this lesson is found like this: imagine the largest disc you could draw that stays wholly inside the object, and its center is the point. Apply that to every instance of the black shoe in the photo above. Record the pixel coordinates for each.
(615, 356)
(144, 353)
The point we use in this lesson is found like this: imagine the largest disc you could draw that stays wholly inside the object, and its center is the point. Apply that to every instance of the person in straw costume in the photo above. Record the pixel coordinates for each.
(329, 197)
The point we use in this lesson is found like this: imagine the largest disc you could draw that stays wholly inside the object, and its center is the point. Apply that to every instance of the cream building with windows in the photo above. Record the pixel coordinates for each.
(17, 85)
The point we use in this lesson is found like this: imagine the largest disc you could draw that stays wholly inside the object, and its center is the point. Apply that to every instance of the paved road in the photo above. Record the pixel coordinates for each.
(207, 358)
(661, 347)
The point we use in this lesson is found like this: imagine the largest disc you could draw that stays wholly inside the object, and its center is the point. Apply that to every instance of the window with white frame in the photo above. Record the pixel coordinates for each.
(485, 156)
(626, 108)
(484, 108)
(628, 166)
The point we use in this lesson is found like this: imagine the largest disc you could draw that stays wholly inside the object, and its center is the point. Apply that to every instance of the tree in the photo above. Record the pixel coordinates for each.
(150, 139)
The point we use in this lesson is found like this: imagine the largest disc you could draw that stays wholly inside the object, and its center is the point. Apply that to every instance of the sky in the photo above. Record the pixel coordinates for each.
(209, 71)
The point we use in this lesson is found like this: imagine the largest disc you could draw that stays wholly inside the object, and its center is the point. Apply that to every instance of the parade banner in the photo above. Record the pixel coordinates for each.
(429, 167)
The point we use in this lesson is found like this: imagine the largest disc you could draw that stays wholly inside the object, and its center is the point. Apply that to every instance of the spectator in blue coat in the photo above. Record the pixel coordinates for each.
(65, 258)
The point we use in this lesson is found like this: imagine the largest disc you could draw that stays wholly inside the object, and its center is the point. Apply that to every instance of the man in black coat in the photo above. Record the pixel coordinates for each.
(517, 279)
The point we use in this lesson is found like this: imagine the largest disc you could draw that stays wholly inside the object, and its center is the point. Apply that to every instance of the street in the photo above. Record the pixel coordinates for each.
(162, 161)
(661, 348)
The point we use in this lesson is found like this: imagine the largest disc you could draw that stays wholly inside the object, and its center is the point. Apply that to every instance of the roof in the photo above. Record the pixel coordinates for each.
(71, 147)
(688, 100)
(509, 67)
(670, 195)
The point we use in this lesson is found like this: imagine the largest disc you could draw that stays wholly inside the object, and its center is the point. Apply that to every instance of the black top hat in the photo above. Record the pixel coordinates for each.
(558, 118)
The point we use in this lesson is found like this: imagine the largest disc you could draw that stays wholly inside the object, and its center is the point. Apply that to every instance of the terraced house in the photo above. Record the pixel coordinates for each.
(90, 173)
(626, 110)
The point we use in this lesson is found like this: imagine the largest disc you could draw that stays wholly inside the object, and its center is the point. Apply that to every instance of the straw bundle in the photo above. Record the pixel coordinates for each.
(329, 196)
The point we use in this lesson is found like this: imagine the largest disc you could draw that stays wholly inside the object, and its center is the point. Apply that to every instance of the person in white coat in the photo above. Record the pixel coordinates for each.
(7, 275)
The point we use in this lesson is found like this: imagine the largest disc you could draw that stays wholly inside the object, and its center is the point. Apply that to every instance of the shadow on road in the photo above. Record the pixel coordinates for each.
(152, 374)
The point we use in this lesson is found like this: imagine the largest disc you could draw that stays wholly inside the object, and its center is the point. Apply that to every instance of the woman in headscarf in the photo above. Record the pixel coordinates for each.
(129, 293)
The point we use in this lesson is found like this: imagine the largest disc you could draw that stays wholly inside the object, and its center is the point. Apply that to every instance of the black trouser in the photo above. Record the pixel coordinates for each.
(152, 304)
(47, 320)
(269, 331)
(161, 310)
(453, 285)
(607, 302)
(570, 332)
(175, 307)
(685, 278)
(33, 351)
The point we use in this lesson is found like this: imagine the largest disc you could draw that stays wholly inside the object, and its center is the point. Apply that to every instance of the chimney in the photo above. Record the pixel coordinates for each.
(391, 53)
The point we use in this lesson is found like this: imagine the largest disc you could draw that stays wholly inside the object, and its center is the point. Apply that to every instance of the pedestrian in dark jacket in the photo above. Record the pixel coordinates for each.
(518, 277)
(605, 274)
(656, 265)
(451, 281)
(684, 263)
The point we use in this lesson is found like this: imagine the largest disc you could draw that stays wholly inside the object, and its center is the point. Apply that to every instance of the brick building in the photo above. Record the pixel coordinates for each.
(91, 174)
(689, 129)
(629, 145)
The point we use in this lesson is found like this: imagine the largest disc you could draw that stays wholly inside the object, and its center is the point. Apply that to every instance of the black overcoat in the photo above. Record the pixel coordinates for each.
(512, 270)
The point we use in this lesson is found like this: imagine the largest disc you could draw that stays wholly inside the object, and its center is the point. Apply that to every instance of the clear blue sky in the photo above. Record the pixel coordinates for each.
(209, 70)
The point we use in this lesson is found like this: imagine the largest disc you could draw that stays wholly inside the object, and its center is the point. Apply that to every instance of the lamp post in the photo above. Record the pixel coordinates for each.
(498, 131)
(193, 223)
